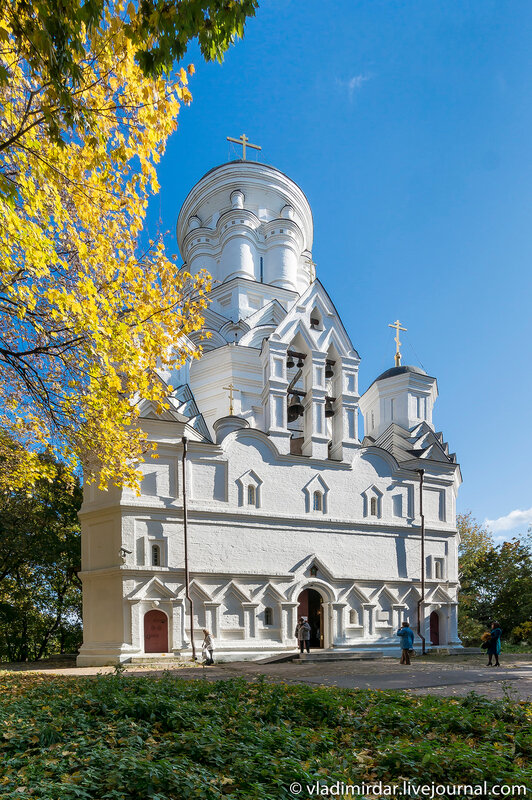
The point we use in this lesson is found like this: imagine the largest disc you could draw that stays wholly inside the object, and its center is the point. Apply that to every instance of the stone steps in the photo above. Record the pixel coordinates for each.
(319, 656)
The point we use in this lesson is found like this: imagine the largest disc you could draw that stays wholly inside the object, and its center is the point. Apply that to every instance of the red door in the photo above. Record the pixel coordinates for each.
(434, 628)
(155, 632)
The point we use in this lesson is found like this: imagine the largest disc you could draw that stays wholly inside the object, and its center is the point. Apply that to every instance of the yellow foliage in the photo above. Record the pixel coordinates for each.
(86, 320)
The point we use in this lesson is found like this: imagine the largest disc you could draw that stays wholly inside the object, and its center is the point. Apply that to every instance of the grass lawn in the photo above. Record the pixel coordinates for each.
(119, 737)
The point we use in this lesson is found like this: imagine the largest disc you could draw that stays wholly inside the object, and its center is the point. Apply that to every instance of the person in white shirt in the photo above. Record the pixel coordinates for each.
(207, 647)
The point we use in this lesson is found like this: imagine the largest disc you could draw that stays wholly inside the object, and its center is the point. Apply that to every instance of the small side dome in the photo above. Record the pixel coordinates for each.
(393, 371)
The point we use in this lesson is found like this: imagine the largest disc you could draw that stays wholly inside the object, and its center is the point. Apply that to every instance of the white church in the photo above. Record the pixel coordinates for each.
(290, 511)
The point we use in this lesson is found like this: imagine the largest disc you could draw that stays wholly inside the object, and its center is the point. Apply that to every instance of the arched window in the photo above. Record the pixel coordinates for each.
(353, 617)
(438, 571)
(373, 507)
(251, 495)
(317, 501)
(268, 616)
(155, 555)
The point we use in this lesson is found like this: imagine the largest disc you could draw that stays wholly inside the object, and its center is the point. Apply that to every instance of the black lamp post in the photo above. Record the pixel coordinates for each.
(421, 601)
(185, 538)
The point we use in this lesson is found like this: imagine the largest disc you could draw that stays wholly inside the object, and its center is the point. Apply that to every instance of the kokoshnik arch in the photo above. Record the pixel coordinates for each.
(289, 511)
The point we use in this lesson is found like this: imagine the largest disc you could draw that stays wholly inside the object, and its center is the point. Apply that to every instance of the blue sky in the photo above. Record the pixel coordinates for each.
(409, 127)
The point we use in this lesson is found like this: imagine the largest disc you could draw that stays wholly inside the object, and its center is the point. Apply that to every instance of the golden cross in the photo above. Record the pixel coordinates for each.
(230, 389)
(311, 265)
(398, 327)
(244, 141)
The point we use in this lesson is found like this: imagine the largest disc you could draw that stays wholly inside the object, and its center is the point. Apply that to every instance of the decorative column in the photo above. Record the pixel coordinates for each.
(369, 620)
(274, 396)
(338, 626)
(397, 614)
(250, 620)
(316, 438)
(288, 622)
(178, 623)
(345, 421)
(452, 625)
(212, 617)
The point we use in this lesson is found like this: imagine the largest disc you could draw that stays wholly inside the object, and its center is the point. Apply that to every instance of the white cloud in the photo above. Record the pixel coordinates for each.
(353, 84)
(514, 519)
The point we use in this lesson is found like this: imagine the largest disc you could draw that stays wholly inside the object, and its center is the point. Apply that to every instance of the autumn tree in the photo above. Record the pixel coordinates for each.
(86, 315)
(496, 580)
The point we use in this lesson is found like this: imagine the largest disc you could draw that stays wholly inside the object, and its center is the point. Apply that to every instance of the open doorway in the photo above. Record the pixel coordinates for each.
(435, 628)
(310, 606)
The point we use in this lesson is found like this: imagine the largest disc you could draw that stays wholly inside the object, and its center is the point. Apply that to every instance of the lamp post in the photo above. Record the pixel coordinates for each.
(185, 539)
(421, 601)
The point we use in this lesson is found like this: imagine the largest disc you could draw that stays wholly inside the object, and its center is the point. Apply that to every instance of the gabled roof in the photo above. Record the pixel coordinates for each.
(332, 332)
(272, 313)
(420, 443)
(184, 403)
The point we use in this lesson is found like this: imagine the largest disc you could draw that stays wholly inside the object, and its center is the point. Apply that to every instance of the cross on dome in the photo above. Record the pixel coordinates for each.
(398, 327)
(244, 141)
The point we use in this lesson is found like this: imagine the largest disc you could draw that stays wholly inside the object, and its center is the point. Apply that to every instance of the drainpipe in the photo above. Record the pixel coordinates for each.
(185, 537)
(421, 601)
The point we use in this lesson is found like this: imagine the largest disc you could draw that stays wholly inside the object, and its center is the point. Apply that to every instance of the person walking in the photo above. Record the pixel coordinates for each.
(207, 648)
(407, 642)
(302, 634)
(494, 644)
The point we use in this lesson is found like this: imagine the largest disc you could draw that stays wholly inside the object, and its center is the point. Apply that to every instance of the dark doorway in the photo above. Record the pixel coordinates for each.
(435, 628)
(155, 632)
(310, 606)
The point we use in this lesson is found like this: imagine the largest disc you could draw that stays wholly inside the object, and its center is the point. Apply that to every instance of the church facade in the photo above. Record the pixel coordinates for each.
(290, 510)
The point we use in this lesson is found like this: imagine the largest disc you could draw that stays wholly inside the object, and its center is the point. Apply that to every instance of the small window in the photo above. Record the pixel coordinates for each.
(353, 617)
(268, 616)
(391, 408)
(373, 507)
(372, 420)
(251, 495)
(155, 555)
(317, 501)
(438, 568)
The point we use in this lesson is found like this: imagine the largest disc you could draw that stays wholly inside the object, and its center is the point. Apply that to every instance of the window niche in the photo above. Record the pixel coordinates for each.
(249, 489)
(372, 502)
(316, 494)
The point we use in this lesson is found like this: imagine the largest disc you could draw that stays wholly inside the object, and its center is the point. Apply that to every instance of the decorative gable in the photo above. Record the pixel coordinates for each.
(316, 494)
(249, 489)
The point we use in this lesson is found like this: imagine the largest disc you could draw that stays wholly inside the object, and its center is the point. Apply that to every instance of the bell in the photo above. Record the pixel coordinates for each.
(290, 362)
(329, 372)
(295, 408)
(329, 410)
(300, 363)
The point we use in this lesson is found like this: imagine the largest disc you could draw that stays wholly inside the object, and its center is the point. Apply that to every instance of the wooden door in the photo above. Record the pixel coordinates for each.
(155, 632)
(435, 628)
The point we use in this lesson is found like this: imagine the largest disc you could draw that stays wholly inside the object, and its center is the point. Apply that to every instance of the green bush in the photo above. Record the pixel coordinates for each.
(122, 737)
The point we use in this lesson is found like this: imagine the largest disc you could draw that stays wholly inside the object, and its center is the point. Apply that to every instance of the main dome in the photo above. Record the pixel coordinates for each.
(247, 219)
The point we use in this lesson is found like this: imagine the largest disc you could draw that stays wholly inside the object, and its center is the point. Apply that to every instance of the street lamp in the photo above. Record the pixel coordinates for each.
(185, 538)
(421, 601)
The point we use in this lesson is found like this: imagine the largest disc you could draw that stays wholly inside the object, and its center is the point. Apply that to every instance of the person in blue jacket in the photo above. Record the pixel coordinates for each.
(407, 642)
(494, 644)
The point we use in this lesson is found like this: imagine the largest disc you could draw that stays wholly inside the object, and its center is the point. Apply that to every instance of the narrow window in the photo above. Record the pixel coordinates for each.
(391, 408)
(373, 507)
(419, 407)
(438, 571)
(268, 616)
(317, 501)
(353, 617)
(251, 495)
(155, 555)
(372, 420)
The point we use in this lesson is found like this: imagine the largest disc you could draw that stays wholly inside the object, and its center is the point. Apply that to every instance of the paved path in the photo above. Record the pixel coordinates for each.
(449, 676)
